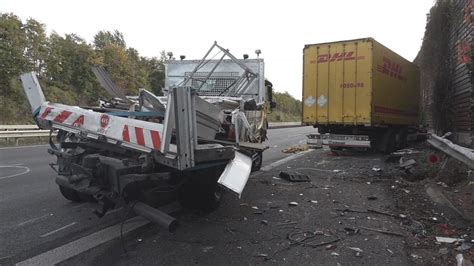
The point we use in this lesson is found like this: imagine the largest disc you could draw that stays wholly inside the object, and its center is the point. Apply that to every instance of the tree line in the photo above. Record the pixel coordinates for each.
(63, 65)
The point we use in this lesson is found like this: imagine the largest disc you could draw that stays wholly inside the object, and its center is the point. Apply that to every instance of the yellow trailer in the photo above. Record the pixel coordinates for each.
(359, 87)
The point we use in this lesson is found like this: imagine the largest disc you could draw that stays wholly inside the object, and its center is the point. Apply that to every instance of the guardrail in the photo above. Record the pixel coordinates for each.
(17, 132)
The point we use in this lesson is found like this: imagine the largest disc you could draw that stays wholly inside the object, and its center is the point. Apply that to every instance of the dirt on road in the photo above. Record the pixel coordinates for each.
(356, 209)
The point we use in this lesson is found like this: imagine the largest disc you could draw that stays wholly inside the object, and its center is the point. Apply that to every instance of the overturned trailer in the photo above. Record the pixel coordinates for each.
(146, 151)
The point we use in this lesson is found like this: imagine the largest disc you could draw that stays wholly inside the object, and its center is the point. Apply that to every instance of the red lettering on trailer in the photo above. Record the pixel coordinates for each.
(344, 56)
(46, 112)
(391, 68)
(79, 121)
(62, 116)
(104, 120)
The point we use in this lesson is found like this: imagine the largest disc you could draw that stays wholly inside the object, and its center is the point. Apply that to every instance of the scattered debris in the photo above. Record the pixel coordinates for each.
(293, 176)
(334, 254)
(314, 201)
(355, 249)
(408, 164)
(381, 231)
(255, 207)
(443, 251)
(464, 247)
(293, 203)
(295, 149)
(351, 231)
(287, 223)
(390, 251)
(336, 171)
(261, 255)
(376, 169)
(415, 256)
(331, 247)
(265, 222)
(405, 190)
(207, 249)
(444, 230)
(448, 240)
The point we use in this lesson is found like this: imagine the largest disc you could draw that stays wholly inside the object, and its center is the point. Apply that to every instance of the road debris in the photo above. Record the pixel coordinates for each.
(293, 203)
(408, 164)
(443, 229)
(376, 169)
(207, 249)
(464, 247)
(296, 148)
(294, 176)
(265, 222)
(334, 254)
(449, 240)
(351, 231)
(381, 231)
(331, 247)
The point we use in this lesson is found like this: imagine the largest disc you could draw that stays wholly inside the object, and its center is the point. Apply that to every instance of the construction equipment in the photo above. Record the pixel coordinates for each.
(359, 94)
(148, 150)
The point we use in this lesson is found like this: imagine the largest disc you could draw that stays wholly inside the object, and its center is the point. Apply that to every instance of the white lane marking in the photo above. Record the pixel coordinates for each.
(81, 245)
(284, 160)
(25, 170)
(57, 230)
(21, 147)
(35, 219)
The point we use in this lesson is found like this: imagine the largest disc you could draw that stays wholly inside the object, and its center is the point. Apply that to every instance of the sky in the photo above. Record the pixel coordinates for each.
(280, 29)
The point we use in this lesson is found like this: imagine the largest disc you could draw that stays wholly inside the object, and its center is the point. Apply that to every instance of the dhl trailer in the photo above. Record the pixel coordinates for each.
(359, 94)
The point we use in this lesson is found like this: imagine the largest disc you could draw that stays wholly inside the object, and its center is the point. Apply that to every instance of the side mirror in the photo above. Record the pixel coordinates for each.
(269, 87)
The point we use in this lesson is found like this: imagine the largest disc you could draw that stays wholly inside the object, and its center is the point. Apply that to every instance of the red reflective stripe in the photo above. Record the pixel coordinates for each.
(46, 112)
(155, 138)
(125, 135)
(62, 116)
(139, 135)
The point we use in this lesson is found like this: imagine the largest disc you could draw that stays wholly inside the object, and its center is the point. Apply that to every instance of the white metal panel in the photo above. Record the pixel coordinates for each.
(236, 173)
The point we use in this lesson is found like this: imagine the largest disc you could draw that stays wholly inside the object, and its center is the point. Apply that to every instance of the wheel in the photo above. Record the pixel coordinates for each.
(70, 194)
(201, 191)
(257, 160)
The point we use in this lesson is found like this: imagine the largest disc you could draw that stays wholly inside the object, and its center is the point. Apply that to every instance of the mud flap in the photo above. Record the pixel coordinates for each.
(236, 173)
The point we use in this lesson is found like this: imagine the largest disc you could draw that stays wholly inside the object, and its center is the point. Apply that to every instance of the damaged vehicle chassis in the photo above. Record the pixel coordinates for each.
(188, 153)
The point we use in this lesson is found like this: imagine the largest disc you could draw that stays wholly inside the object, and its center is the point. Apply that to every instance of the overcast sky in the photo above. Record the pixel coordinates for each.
(279, 28)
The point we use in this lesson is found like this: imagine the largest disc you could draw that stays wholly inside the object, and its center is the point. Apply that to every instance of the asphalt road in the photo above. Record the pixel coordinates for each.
(35, 217)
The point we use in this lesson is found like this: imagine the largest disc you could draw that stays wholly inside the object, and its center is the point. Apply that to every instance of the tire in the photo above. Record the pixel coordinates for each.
(257, 160)
(70, 194)
(201, 191)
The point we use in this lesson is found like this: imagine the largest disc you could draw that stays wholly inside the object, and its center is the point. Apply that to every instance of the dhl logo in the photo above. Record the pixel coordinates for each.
(344, 56)
(392, 69)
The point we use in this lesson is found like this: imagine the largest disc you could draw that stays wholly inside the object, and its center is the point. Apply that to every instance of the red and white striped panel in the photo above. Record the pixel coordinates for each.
(140, 136)
(129, 130)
